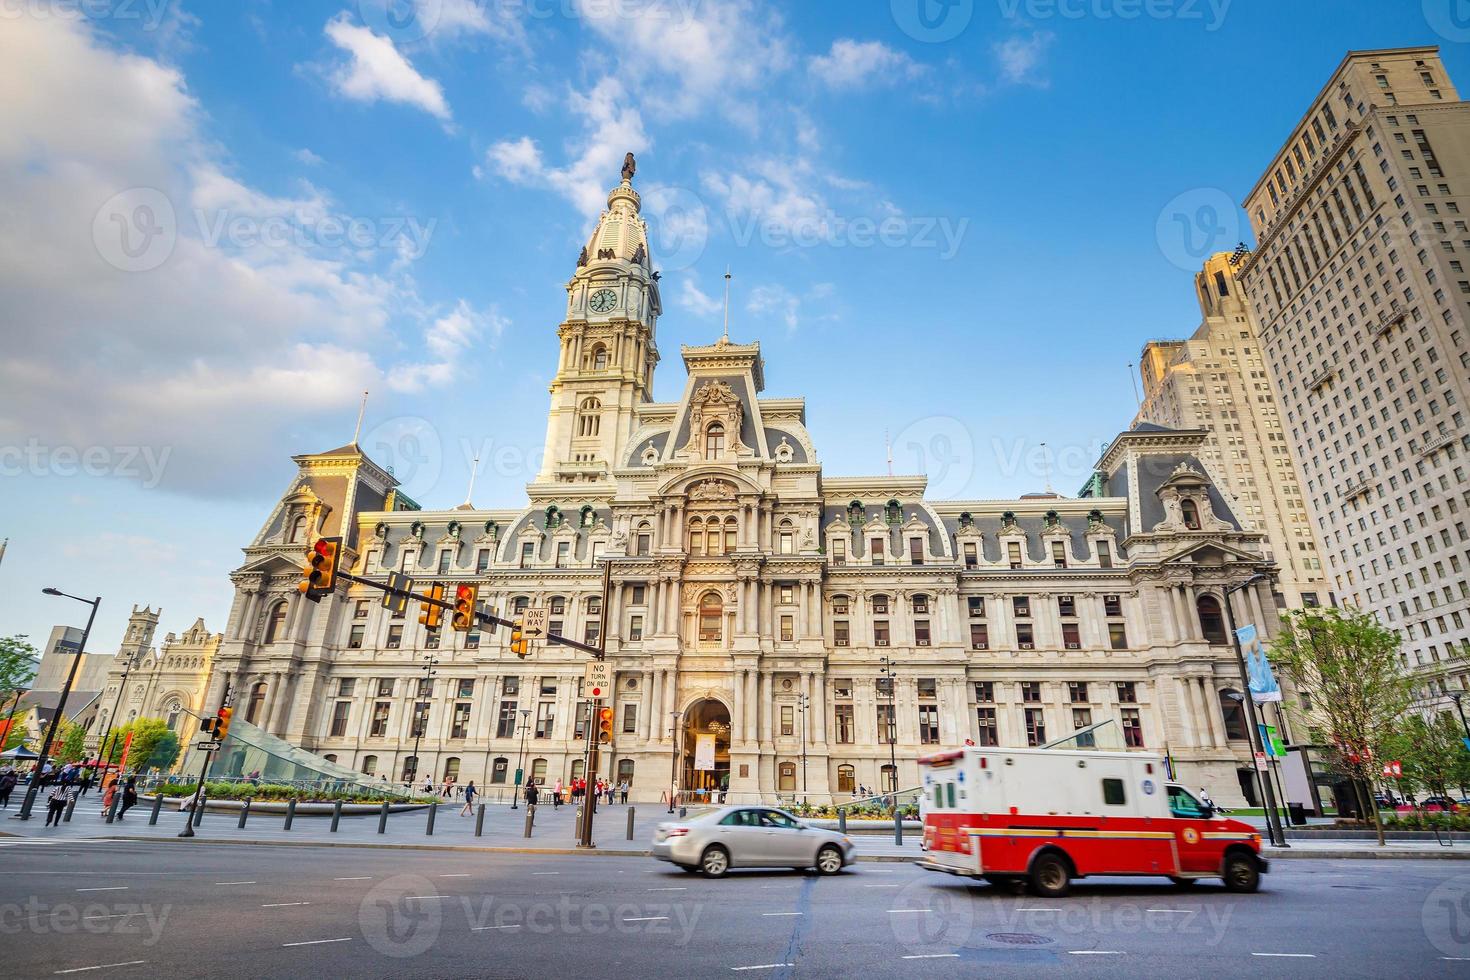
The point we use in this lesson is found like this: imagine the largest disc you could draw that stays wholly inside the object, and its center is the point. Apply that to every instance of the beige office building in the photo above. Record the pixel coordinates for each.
(1216, 382)
(1359, 285)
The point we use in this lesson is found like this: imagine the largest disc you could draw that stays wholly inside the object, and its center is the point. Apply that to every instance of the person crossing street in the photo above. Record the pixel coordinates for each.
(469, 799)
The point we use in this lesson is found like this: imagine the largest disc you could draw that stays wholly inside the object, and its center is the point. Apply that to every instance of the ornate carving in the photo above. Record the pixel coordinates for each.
(712, 490)
(582, 257)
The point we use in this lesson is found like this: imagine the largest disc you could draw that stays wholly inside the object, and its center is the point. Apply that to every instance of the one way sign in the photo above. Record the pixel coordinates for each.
(533, 623)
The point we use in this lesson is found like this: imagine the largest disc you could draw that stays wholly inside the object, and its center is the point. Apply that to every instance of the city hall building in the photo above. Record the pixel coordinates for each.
(816, 629)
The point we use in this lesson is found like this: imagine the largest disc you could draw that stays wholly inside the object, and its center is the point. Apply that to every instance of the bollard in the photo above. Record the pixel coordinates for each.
(157, 806)
(530, 819)
(244, 814)
(290, 814)
(198, 814)
(630, 823)
(898, 826)
(577, 824)
(383, 819)
(480, 821)
(70, 806)
(433, 809)
(683, 812)
(336, 815)
(842, 821)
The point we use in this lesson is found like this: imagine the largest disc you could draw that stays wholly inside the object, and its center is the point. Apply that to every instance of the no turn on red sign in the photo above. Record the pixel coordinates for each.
(597, 681)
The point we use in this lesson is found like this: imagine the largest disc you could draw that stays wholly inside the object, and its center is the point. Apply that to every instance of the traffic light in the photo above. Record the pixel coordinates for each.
(517, 640)
(320, 573)
(433, 615)
(222, 723)
(463, 619)
(604, 725)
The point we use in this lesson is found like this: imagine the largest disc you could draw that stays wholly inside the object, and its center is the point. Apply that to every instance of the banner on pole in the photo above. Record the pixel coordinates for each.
(704, 752)
(1257, 668)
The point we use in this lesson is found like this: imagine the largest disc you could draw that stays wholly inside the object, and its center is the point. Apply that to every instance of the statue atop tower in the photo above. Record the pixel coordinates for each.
(630, 166)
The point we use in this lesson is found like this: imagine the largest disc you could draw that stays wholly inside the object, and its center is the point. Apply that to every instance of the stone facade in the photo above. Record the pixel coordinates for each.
(757, 606)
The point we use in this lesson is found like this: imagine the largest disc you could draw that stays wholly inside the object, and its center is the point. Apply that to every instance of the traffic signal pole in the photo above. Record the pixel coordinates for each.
(589, 804)
(226, 702)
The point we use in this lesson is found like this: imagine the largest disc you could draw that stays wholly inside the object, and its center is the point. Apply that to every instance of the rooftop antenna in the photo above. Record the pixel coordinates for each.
(474, 472)
(726, 338)
(1133, 377)
(362, 409)
(1046, 468)
(888, 449)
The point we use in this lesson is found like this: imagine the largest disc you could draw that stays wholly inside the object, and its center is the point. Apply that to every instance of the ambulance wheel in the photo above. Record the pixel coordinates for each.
(1241, 873)
(1051, 877)
(1184, 882)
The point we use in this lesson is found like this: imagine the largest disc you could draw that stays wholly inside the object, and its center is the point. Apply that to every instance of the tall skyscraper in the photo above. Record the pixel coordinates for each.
(1216, 382)
(1359, 286)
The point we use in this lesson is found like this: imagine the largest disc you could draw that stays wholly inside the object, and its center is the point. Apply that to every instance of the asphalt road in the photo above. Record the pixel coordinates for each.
(198, 909)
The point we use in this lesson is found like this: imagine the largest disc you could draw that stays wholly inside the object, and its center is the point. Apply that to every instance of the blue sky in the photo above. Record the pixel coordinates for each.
(225, 221)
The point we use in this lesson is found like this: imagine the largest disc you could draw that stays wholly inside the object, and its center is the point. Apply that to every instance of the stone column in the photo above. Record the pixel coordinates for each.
(752, 734)
(656, 709)
(819, 707)
(765, 706)
(1211, 698)
(1186, 712)
(671, 691)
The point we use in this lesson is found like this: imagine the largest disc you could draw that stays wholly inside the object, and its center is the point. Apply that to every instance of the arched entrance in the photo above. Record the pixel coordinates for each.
(707, 724)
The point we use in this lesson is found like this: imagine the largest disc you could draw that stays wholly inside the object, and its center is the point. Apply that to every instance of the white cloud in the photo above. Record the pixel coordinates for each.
(223, 350)
(775, 301)
(447, 339)
(696, 300)
(777, 192)
(611, 127)
(1019, 58)
(376, 70)
(309, 158)
(861, 64)
(454, 19)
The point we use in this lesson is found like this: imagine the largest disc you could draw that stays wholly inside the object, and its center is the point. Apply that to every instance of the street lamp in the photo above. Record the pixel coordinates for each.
(421, 722)
(1455, 696)
(802, 702)
(1268, 795)
(887, 671)
(521, 760)
(71, 676)
(673, 758)
(105, 756)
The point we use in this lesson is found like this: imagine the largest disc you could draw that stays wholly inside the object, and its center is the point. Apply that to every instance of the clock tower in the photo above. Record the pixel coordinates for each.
(608, 349)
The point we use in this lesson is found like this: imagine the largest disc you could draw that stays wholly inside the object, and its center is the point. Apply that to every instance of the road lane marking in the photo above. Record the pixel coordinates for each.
(101, 966)
(782, 913)
(235, 882)
(282, 905)
(648, 918)
(109, 888)
(534, 873)
(932, 956)
(1038, 910)
(762, 966)
(464, 875)
(115, 915)
(892, 911)
(670, 889)
(483, 928)
(1304, 956)
(1174, 911)
(423, 898)
(318, 942)
(1095, 952)
(363, 878)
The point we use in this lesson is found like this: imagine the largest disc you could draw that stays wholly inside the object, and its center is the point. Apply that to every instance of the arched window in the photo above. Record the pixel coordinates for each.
(498, 770)
(298, 530)
(894, 512)
(787, 781)
(714, 540)
(275, 626)
(410, 768)
(589, 419)
(846, 779)
(330, 758)
(625, 771)
(599, 358)
(786, 539)
(1189, 510)
(538, 770)
(1232, 709)
(729, 534)
(714, 441)
(578, 768)
(1211, 622)
(451, 768)
(173, 715)
(256, 702)
(370, 765)
(711, 616)
(889, 778)
(696, 536)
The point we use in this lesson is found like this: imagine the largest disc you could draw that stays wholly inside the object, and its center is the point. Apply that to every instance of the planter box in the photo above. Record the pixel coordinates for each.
(303, 808)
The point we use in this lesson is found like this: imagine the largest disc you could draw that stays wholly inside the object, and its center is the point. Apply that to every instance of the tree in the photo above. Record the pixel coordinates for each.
(1350, 664)
(165, 752)
(15, 733)
(148, 734)
(18, 662)
(71, 743)
(1431, 751)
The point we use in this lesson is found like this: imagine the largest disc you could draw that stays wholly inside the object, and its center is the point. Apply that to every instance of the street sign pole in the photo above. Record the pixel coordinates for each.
(188, 831)
(590, 769)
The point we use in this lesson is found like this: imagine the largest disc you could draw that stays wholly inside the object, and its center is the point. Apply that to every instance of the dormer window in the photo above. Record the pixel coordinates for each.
(298, 530)
(714, 441)
(786, 539)
(1189, 510)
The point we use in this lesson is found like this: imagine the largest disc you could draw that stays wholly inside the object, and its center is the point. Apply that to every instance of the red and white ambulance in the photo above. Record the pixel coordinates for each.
(1046, 816)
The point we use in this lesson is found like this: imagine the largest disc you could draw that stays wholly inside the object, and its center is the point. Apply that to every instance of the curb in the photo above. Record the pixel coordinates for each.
(1447, 854)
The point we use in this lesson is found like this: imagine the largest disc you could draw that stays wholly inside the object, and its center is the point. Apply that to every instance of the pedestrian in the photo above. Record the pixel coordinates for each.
(8, 780)
(56, 803)
(109, 792)
(556, 791)
(469, 799)
(129, 797)
(86, 781)
(1204, 797)
(623, 790)
(531, 793)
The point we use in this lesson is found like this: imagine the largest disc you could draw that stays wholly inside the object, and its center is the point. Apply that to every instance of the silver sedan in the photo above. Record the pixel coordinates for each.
(715, 840)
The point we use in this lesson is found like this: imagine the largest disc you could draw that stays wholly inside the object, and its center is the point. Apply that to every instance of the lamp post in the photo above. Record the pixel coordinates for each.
(104, 751)
(420, 723)
(887, 672)
(673, 758)
(1268, 796)
(802, 702)
(521, 760)
(71, 676)
(1456, 696)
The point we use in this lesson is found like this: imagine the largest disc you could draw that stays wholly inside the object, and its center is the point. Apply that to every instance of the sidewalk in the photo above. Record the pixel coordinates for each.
(504, 830)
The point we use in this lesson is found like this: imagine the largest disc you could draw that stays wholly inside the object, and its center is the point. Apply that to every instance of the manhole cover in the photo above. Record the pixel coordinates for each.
(1018, 939)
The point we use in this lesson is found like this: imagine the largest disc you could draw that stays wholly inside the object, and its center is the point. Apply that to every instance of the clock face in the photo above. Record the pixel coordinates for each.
(602, 300)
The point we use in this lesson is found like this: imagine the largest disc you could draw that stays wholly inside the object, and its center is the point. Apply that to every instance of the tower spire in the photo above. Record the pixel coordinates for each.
(726, 337)
(470, 493)
(361, 410)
